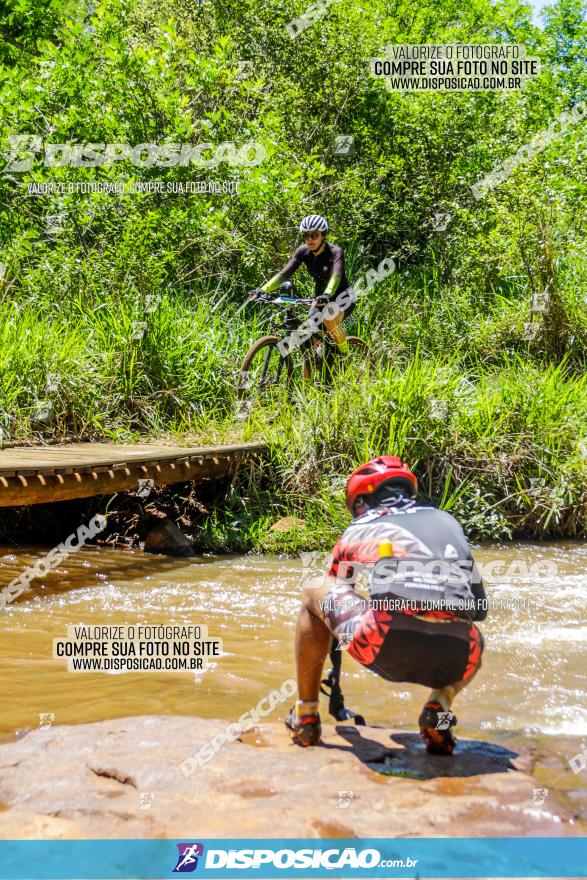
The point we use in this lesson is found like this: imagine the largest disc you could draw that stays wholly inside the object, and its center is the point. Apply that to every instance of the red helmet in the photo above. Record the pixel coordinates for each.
(385, 470)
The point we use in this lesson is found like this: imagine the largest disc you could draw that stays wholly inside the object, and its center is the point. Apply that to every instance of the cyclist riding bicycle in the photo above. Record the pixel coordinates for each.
(325, 263)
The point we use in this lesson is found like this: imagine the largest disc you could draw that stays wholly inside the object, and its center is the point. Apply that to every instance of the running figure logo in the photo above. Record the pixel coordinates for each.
(145, 487)
(444, 720)
(344, 640)
(540, 795)
(344, 799)
(343, 145)
(313, 566)
(46, 719)
(187, 860)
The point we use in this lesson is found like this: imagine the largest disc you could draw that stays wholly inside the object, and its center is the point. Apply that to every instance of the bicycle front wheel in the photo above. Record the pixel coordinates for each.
(264, 368)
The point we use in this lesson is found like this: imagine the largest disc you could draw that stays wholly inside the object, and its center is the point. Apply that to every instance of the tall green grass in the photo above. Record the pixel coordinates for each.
(495, 432)
(501, 448)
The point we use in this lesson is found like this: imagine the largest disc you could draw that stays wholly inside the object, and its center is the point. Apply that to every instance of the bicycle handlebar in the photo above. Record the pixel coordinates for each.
(282, 300)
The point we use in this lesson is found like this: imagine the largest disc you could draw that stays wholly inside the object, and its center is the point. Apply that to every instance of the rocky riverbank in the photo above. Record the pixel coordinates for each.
(122, 779)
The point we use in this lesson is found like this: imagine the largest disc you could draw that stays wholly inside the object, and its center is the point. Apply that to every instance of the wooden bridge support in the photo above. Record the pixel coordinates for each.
(101, 469)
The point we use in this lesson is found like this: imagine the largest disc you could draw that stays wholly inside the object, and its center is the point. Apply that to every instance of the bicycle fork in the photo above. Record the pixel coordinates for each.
(280, 364)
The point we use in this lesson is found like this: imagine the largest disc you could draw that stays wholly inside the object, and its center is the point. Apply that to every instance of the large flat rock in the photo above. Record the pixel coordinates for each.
(122, 779)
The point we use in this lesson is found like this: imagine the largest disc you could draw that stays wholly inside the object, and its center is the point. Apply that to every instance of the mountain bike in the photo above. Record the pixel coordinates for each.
(265, 366)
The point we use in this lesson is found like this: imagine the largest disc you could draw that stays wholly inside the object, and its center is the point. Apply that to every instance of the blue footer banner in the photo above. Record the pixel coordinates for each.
(275, 858)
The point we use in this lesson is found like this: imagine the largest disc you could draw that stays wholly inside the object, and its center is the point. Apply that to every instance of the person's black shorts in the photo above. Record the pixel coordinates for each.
(346, 314)
(401, 647)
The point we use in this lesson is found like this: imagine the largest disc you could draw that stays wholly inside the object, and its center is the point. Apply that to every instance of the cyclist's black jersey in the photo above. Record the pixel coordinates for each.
(327, 265)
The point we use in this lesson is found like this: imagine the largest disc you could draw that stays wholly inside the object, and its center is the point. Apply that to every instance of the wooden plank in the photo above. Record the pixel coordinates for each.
(78, 455)
(83, 470)
(64, 487)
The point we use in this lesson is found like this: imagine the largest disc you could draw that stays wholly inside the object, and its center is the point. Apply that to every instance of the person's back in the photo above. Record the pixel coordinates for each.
(433, 574)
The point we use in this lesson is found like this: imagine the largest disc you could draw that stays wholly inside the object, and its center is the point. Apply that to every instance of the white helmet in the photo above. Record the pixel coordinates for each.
(314, 223)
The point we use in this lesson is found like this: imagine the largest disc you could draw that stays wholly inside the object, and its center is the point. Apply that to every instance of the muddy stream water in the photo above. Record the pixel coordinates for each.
(530, 692)
(533, 679)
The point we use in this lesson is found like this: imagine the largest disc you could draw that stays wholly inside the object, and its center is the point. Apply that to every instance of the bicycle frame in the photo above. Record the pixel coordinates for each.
(290, 322)
(265, 362)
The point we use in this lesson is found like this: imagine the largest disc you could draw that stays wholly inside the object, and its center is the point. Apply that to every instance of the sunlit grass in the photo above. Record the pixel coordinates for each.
(495, 434)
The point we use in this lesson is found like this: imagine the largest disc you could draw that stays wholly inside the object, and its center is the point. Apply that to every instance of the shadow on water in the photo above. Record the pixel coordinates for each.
(411, 760)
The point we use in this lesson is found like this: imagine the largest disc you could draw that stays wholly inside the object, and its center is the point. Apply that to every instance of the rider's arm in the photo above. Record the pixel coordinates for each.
(285, 274)
(337, 273)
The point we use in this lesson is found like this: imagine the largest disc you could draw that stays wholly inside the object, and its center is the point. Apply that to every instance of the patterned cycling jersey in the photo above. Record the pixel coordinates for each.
(327, 269)
(420, 536)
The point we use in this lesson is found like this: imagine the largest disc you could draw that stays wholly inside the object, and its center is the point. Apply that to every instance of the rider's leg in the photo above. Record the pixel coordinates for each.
(436, 718)
(325, 612)
(446, 695)
(336, 332)
(312, 645)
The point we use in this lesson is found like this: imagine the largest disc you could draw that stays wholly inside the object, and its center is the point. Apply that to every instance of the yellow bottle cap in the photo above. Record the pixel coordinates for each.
(385, 549)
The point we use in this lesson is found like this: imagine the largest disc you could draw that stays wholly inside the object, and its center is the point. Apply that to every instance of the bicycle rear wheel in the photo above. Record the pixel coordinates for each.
(359, 350)
(264, 368)
(358, 357)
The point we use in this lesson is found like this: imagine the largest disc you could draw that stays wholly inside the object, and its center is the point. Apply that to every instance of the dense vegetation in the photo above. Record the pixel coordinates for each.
(118, 312)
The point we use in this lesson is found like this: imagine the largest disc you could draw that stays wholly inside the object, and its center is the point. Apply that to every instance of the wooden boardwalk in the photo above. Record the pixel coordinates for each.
(41, 474)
